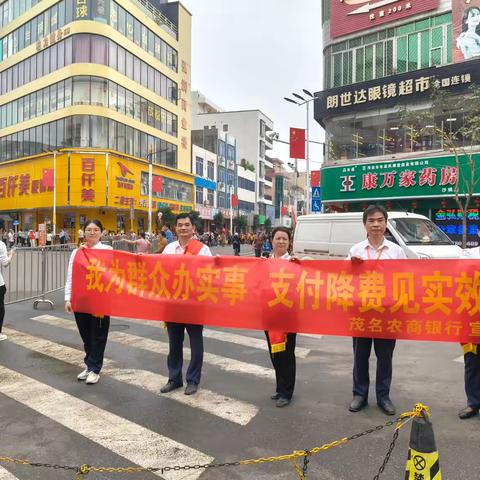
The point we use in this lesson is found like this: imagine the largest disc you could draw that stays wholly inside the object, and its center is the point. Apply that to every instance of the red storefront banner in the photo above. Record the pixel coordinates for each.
(348, 16)
(404, 299)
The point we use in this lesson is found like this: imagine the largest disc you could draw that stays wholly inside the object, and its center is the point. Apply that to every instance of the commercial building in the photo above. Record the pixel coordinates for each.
(381, 63)
(205, 166)
(250, 128)
(224, 148)
(92, 90)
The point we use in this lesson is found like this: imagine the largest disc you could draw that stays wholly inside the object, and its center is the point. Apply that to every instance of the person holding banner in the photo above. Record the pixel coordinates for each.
(281, 346)
(471, 358)
(185, 245)
(93, 329)
(375, 247)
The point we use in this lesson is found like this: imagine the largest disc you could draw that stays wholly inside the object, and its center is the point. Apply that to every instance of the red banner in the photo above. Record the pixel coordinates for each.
(297, 143)
(348, 16)
(234, 201)
(403, 299)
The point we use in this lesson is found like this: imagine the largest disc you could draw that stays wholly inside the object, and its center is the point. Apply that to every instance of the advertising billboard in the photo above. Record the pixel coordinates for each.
(348, 16)
(466, 29)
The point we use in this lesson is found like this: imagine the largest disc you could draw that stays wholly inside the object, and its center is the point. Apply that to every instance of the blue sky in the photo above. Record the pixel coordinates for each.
(249, 54)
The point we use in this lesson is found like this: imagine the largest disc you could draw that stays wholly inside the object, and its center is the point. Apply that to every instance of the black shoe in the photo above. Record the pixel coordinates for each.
(282, 402)
(386, 406)
(275, 396)
(191, 389)
(170, 386)
(467, 412)
(358, 403)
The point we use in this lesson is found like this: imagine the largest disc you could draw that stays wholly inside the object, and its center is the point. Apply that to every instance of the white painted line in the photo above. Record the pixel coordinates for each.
(137, 444)
(311, 335)
(220, 405)
(6, 475)
(224, 336)
(459, 359)
(224, 363)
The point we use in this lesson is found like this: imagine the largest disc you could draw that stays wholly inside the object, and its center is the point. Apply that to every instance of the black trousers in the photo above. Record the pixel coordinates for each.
(94, 333)
(361, 355)
(472, 379)
(284, 364)
(3, 291)
(176, 335)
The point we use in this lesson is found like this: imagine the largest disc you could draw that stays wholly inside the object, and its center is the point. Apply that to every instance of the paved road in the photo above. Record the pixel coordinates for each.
(47, 416)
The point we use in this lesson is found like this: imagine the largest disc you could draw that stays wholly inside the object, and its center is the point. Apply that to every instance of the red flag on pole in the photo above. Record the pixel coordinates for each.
(234, 200)
(47, 177)
(283, 211)
(156, 184)
(315, 178)
(297, 143)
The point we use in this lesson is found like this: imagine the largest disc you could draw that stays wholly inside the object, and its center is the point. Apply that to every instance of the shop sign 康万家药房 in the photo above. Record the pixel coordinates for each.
(426, 177)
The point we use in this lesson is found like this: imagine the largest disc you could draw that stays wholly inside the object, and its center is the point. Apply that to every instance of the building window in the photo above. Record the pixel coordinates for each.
(199, 195)
(199, 166)
(210, 197)
(211, 171)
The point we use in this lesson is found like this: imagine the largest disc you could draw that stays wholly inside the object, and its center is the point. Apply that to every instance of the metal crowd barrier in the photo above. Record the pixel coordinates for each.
(130, 247)
(36, 271)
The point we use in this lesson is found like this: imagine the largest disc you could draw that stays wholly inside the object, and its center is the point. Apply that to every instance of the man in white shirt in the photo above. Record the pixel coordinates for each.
(185, 245)
(376, 247)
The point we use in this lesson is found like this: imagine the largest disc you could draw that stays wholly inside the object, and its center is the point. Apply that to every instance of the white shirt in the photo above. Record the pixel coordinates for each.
(386, 251)
(68, 283)
(174, 248)
(285, 256)
(4, 260)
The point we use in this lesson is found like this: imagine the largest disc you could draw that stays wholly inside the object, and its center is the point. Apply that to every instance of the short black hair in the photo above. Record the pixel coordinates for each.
(142, 234)
(183, 215)
(284, 230)
(371, 209)
(163, 234)
(2, 223)
(96, 222)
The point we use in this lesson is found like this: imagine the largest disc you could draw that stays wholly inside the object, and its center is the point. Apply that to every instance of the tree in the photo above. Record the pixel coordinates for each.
(247, 165)
(167, 218)
(197, 221)
(219, 220)
(459, 140)
(240, 223)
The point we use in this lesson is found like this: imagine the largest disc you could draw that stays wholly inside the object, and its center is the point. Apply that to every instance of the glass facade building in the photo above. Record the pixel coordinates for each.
(98, 75)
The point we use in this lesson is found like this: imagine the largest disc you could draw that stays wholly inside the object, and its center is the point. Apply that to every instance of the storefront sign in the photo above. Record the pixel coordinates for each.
(125, 178)
(395, 90)
(434, 300)
(450, 222)
(53, 38)
(88, 179)
(205, 212)
(427, 177)
(348, 16)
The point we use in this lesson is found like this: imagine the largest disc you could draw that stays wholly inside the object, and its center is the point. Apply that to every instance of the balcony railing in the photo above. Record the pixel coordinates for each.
(158, 17)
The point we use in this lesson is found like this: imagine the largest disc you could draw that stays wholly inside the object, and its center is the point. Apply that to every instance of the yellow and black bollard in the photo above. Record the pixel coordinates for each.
(422, 463)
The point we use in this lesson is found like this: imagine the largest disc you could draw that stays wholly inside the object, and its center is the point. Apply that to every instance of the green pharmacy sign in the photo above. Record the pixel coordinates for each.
(421, 177)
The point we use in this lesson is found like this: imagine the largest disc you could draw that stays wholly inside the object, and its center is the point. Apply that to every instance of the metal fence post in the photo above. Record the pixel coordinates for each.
(41, 300)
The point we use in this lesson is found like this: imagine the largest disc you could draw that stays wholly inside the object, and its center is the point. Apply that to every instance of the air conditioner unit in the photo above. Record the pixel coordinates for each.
(221, 185)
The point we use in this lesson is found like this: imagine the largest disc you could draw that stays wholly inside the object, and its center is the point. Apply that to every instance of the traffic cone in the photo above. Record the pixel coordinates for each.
(422, 463)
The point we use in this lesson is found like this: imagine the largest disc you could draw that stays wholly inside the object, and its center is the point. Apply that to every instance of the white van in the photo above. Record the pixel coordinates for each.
(331, 235)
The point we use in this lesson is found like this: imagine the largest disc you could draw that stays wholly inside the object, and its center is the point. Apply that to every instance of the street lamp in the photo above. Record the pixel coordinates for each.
(303, 101)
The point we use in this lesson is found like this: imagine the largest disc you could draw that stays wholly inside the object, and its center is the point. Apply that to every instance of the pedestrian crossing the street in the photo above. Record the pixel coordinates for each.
(122, 434)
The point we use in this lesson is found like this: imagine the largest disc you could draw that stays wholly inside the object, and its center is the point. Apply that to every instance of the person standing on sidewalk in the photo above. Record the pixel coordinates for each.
(185, 245)
(377, 248)
(5, 259)
(93, 329)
